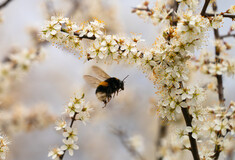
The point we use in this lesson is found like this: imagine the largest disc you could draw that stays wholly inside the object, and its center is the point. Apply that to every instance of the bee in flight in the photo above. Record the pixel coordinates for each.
(106, 89)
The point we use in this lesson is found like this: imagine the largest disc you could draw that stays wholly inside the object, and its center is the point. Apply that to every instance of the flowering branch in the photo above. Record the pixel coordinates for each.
(4, 143)
(4, 4)
(79, 36)
(127, 144)
(161, 134)
(77, 110)
(220, 87)
(219, 77)
(188, 119)
(163, 128)
(15, 64)
(73, 119)
(187, 116)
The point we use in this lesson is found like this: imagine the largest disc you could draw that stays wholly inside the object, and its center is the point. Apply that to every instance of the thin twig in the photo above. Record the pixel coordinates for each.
(162, 131)
(4, 4)
(219, 77)
(85, 37)
(203, 12)
(71, 125)
(142, 9)
(220, 87)
(223, 14)
(226, 36)
(82, 37)
(173, 14)
(193, 142)
(123, 137)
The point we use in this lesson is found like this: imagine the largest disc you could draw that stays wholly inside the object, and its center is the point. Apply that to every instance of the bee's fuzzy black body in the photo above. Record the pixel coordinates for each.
(108, 88)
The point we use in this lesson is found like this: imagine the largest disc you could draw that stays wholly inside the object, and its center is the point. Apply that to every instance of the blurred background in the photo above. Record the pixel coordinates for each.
(51, 81)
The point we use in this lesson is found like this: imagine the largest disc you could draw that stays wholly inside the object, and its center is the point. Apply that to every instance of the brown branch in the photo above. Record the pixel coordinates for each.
(142, 9)
(71, 125)
(85, 37)
(217, 151)
(219, 77)
(161, 134)
(187, 117)
(203, 12)
(4, 4)
(122, 137)
(226, 36)
(220, 87)
(76, 34)
(223, 14)
(173, 14)
(193, 142)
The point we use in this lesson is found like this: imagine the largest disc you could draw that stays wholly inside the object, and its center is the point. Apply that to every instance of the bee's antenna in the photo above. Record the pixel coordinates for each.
(125, 78)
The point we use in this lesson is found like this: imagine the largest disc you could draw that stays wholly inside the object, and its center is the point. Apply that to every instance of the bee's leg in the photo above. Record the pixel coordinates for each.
(105, 103)
(109, 98)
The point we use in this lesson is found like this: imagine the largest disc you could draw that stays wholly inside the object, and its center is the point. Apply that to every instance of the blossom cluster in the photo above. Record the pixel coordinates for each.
(76, 109)
(62, 31)
(18, 118)
(231, 9)
(158, 14)
(216, 21)
(218, 65)
(172, 72)
(4, 143)
(15, 65)
(136, 143)
(220, 129)
(162, 12)
(115, 48)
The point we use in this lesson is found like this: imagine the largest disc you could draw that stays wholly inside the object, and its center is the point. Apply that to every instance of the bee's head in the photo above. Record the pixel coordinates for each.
(122, 83)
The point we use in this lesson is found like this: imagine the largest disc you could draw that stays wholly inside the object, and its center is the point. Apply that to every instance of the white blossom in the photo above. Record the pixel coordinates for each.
(55, 153)
(71, 133)
(69, 145)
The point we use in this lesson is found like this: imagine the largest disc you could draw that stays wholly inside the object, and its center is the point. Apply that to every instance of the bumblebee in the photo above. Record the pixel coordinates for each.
(107, 89)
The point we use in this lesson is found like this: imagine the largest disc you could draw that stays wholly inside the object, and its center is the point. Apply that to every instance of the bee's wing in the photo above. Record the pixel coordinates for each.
(94, 82)
(100, 72)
